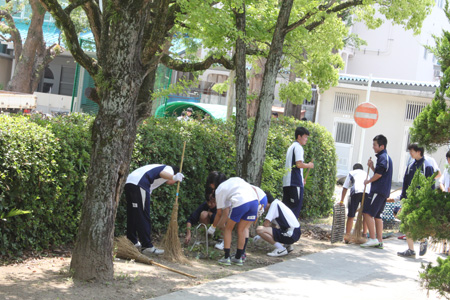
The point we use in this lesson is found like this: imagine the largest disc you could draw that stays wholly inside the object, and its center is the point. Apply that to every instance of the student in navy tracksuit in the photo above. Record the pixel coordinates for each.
(419, 164)
(293, 181)
(379, 191)
(205, 214)
(138, 188)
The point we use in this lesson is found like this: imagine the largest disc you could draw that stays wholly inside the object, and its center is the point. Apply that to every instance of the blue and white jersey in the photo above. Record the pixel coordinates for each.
(147, 177)
(445, 179)
(433, 163)
(294, 176)
(234, 192)
(425, 168)
(384, 168)
(355, 182)
(282, 215)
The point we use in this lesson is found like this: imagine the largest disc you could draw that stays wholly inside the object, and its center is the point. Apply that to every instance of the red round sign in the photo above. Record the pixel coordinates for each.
(366, 115)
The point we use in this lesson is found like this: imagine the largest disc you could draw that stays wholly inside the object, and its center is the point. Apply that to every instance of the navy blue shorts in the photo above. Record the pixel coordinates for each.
(293, 198)
(354, 202)
(246, 211)
(374, 205)
(280, 238)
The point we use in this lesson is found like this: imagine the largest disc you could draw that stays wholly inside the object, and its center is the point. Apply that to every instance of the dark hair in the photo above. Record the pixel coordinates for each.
(301, 131)
(189, 109)
(304, 119)
(448, 154)
(269, 197)
(209, 191)
(275, 113)
(381, 140)
(358, 166)
(215, 178)
(416, 147)
(183, 114)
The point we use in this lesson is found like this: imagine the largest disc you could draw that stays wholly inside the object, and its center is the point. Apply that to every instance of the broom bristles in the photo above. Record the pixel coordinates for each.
(126, 250)
(171, 242)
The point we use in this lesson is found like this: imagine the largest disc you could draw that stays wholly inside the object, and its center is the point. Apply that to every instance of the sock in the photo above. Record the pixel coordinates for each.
(238, 253)
(227, 252)
(245, 245)
(278, 246)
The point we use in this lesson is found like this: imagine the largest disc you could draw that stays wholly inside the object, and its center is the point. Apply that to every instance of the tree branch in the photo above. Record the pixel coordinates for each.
(327, 8)
(74, 4)
(14, 32)
(71, 35)
(179, 65)
(94, 16)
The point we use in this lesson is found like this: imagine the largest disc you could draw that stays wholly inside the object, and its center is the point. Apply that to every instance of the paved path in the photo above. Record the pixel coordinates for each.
(347, 272)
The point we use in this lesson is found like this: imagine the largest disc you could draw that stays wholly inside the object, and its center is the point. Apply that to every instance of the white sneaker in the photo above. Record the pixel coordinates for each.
(138, 245)
(219, 246)
(278, 252)
(370, 243)
(152, 250)
(289, 248)
(256, 239)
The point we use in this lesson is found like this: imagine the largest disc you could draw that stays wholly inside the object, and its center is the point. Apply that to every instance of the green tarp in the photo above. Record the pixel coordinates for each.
(176, 108)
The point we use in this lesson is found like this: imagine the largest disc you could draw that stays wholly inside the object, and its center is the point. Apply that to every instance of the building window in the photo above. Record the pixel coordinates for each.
(440, 3)
(345, 103)
(217, 78)
(413, 109)
(344, 133)
(67, 78)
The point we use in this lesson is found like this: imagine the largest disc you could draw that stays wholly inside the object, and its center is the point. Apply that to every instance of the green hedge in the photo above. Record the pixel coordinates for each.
(44, 164)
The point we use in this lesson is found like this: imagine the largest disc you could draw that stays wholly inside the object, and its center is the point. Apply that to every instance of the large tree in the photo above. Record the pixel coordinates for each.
(302, 34)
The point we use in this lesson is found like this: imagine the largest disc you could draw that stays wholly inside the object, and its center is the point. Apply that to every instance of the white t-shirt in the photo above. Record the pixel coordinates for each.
(445, 179)
(432, 162)
(274, 212)
(355, 182)
(294, 176)
(147, 177)
(234, 192)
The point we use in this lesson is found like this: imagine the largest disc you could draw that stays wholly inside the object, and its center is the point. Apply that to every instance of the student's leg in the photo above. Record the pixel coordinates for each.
(370, 223)
(204, 217)
(228, 233)
(379, 229)
(242, 231)
(266, 233)
(348, 227)
(410, 243)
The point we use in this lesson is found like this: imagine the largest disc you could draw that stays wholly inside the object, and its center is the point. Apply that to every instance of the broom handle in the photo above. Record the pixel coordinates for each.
(181, 169)
(365, 185)
(170, 269)
(307, 172)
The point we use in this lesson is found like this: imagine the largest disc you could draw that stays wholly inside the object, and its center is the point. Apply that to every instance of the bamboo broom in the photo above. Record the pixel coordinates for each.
(171, 241)
(126, 250)
(357, 237)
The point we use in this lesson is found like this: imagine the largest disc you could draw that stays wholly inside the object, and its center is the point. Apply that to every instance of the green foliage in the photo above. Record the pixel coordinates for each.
(437, 277)
(12, 213)
(43, 165)
(426, 211)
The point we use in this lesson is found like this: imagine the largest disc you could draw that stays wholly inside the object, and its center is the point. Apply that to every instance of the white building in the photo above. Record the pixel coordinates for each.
(403, 75)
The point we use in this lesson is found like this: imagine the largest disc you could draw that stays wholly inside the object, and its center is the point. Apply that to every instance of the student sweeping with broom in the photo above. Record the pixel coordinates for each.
(138, 188)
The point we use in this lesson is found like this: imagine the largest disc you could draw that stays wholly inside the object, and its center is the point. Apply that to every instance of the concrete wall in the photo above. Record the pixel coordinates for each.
(391, 122)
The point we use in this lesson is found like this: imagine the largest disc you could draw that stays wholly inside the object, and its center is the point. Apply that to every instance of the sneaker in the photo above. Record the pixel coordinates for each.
(278, 252)
(224, 261)
(423, 247)
(407, 253)
(257, 239)
(243, 256)
(402, 237)
(289, 248)
(379, 246)
(152, 250)
(370, 243)
(237, 261)
(219, 246)
(138, 245)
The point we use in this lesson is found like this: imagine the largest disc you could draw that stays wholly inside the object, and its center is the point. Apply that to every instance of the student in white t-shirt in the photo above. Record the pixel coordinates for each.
(444, 181)
(236, 202)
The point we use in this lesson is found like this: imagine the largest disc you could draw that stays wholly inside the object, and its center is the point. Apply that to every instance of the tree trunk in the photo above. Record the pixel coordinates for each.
(231, 94)
(24, 79)
(255, 87)
(290, 109)
(241, 130)
(113, 134)
(257, 151)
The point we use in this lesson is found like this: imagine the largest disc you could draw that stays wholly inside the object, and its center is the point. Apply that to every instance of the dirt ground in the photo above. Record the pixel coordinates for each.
(49, 277)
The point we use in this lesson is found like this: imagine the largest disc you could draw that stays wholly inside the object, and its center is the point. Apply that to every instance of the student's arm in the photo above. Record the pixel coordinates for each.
(442, 187)
(223, 218)
(375, 177)
(344, 192)
(187, 239)
(301, 165)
